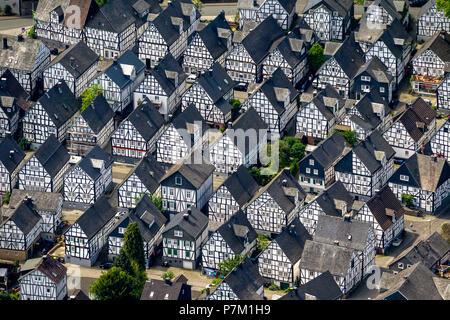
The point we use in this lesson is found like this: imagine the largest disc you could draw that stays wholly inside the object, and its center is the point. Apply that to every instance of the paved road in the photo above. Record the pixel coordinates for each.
(6, 24)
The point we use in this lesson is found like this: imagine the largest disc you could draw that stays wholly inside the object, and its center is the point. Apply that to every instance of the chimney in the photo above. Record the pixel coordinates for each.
(284, 183)
(59, 87)
(5, 43)
(72, 62)
(336, 242)
(349, 237)
(11, 154)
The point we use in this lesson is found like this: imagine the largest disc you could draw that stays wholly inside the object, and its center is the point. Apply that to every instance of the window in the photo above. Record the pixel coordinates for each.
(178, 233)
(178, 181)
(382, 89)
(311, 162)
(308, 170)
(401, 266)
(404, 178)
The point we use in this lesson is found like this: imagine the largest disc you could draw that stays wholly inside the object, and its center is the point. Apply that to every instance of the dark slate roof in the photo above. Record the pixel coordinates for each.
(375, 68)
(42, 201)
(322, 257)
(349, 56)
(333, 199)
(115, 71)
(439, 44)
(291, 49)
(98, 114)
(146, 119)
(25, 218)
(88, 163)
(368, 118)
(418, 112)
(323, 287)
(60, 104)
(77, 59)
(288, 5)
(52, 155)
(277, 88)
(370, 151)
(325, 101)
(216, 82)
(237, 231)
(389, 7)
(329, 151)
(11, 155)
(150, 172)
(241, 185)
(163, 74)
(395, 31)
(245, 280)
(196, 174)
(193, 224)
(53, 269)
(79, 295)
(350, 234)
(186, 119)
(161, 290)
(292, 240)
(384, 205)
(214, 42)
(342, 7)
(96, 217)
(426, 172)
(12, 88)
(261, 40)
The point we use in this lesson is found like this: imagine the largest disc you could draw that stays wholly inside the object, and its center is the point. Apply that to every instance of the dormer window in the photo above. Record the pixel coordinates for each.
(178, 233)
(178, 181)
(404, 178)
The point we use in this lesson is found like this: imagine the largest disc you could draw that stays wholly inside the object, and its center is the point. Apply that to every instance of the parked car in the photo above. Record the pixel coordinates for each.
(241, 86)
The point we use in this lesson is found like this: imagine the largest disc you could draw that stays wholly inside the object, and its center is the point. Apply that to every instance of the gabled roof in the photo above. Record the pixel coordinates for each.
(241, 185)
(117, 73)
(11, 87)
(42, 201)
(146, 119)
(325, 101)
(215, 35)
(52, 155)
(384, 205)
(419, 113)
(393, 32)
(98, 114)
(11, 155)
(53, 269)
(329, 151)
(96, 217)
(245, 280)
(92, 163)
(291, 48)
(237, 231)
(216, 82)
(46, 6)
(20, 55)
(24, 217)
(263, 39)
(323, 287)
(60, 104)
(155, 289)
(388, 6)
(349, 56)
(77, 59)
(343, 7)
(292, 240)
(322, 257)
(336, 200)
(192, 221)
(375, 68)
(439, 44)
(169, 74)
(350, 234)
(150, 172)
(185, 121)
(196, 174)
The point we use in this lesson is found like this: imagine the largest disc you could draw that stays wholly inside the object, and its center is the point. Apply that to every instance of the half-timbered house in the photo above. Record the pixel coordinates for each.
(324, 287)
(150, 222)
(257, 10)
(93, 127)
(238, 189)
(168, 32)
(77, 66)
(331, 20)
(426, 178)
(10, 101)
(143, 179)
(245, 61)
(188, 131)
(386, 214)
(431, 63)
(342, 66)
(163, 86)
(243, 283)
(210, 44)
(85, 238)
(275, 101)
(431, 20)
(89, 179)
(440, 142)
(443, 94)
(235, 237)
(382, 13)
(11, 160)
(167, 290)
(319, 114)
(119, 81)
(26, 59)
(411, 129)
(186, 185)
(241, 143)
(47, 204)
(18, 233)
(11, 88)
(367, 167)
(334, 201)
(279, 261)
(343, 264)
(210, 95)
(275, 205)
(48, 281)
(138, 133)
(317, 168)
(53, 114)
(184, 237)
(45, 170)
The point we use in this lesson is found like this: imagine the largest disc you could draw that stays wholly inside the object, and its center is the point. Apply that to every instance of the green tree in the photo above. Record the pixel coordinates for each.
(116, 284)
(316, 57)
(133, 245)
(198, 4)
(168, 275)
(350, 136)
(408, 200)
(123, 262)
(32, 33)
(7, 197)
(7, 10)
(445, 6)
(24, 144)
(6, 296)
(294, 167)
(236, 18)
(227, 265)
(262, 242)
(360, 2)
(89, 95)
(101, 3)
(235, 103)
